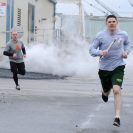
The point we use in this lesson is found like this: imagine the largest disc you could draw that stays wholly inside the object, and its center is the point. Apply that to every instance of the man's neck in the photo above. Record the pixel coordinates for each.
(112, 32)
(14, 41)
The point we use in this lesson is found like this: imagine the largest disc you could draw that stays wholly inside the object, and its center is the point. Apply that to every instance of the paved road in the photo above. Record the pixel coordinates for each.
(72, 105)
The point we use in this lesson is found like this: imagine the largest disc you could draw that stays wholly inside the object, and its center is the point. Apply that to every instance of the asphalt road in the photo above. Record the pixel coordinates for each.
(70, 105)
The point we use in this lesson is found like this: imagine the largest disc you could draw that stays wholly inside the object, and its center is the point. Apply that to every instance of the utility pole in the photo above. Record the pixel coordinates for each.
(81, 14)
(82, 19)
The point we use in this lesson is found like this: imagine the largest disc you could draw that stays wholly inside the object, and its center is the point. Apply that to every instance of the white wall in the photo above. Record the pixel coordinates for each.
(43, 9)
(2, 28)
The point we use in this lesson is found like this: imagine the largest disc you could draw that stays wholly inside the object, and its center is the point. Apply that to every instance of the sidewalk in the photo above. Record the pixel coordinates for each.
(1, 53)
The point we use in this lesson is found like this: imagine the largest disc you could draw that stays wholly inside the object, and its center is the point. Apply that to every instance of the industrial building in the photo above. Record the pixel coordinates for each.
(87, 24)
(70, 24)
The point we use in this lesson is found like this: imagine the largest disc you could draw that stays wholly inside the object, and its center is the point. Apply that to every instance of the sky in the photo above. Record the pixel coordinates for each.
(122, 7)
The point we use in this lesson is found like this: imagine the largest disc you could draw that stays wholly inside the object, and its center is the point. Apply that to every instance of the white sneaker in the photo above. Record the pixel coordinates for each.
(17, 87)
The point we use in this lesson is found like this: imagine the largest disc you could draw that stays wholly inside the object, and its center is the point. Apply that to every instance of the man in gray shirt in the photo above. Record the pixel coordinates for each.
(15, 50)
(112, 46)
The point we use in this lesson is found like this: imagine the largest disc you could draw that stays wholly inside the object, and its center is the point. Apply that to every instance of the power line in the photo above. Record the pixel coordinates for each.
(96, 8)
(107, 8)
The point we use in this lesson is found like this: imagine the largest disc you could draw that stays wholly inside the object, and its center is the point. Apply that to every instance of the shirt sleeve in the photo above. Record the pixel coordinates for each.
(7, 51)
(23, 49)
(127, 44)
(94, 47)
(7, 48)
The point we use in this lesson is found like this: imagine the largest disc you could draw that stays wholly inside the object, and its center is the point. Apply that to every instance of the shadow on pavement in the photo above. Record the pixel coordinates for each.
(6, 73)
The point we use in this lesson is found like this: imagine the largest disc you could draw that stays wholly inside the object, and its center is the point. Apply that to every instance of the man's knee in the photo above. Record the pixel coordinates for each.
(22, 72)
(14, 74)
(116, 89)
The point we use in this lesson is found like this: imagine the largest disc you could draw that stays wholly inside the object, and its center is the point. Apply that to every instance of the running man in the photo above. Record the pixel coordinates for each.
(112, 46)
(15, 50)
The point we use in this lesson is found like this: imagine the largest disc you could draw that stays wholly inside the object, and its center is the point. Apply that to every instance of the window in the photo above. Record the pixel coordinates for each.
(19, 17)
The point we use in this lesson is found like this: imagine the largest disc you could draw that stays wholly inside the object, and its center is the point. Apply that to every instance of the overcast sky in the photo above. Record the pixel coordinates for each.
(122, 7)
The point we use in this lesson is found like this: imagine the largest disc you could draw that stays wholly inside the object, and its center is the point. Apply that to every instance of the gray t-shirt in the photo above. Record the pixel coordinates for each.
(15, 47)
(114, 57)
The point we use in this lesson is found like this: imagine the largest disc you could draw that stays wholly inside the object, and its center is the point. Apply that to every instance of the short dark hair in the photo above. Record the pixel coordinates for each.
(111, 16)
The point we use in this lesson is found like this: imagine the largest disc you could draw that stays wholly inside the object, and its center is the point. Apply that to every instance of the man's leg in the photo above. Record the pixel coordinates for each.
(21, 68)
(13, 67)
(117, 100)
(105, 95)
(117, 104)
(106, 84)
(117, 80)
(15, 77)
(14, 70)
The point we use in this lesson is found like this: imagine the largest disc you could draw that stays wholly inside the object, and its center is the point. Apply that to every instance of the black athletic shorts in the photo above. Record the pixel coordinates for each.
(110, 78)
(18, 68)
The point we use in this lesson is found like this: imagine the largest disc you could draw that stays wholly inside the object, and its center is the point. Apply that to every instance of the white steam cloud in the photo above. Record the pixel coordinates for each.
(69, 58)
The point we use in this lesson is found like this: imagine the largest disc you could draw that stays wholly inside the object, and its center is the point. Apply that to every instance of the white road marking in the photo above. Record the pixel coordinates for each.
(88, 123)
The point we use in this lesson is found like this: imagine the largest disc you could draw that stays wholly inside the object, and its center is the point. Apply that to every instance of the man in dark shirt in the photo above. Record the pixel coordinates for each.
(16, 52)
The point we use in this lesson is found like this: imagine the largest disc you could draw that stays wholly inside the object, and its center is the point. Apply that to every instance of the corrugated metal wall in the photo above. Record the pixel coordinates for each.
(93, 25)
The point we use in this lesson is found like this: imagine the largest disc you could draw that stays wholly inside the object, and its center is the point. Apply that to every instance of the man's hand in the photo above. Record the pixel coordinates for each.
(104, 53)
(14, 55)
(24, 55)
(125, 55)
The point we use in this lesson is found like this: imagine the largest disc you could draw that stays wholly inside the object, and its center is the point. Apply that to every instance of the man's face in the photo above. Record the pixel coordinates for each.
(111, 24)
(14, 36)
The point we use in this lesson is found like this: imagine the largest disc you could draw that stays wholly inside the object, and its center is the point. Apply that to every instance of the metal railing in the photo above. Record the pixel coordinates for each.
(46, 35)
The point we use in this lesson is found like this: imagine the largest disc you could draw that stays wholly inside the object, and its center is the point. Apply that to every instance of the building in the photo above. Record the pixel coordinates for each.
(35, 17)
(70, 24)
